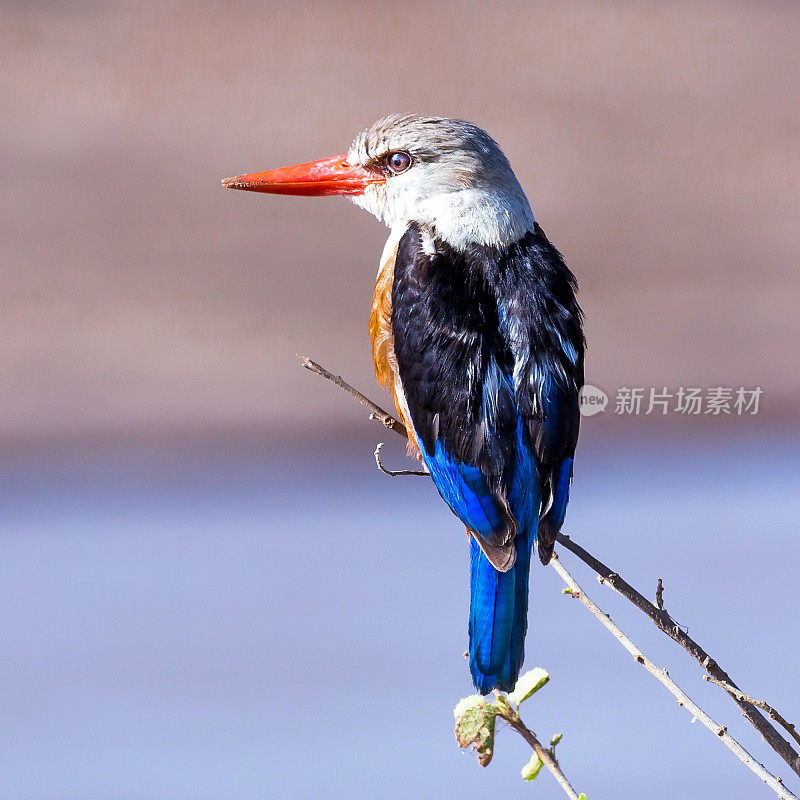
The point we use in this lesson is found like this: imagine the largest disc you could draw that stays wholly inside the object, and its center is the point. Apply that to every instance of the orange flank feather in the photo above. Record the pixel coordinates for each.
(380, 323)
(383, 358)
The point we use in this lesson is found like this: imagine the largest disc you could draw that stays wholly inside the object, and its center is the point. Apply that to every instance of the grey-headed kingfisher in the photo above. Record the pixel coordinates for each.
(477, 333)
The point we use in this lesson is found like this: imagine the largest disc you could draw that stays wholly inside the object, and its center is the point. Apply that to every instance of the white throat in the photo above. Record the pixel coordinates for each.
(461, 218)
(471, 216)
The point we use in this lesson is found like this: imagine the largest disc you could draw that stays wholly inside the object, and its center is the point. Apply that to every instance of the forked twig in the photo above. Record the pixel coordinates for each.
(659, 616)
(664, 679)
(762, 704)
(665, 623)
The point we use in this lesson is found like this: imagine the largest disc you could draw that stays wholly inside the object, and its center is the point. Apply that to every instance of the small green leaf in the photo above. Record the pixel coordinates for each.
(556, 739)
(475, 718)
(530, 682)
(532, 768)
(582, 797)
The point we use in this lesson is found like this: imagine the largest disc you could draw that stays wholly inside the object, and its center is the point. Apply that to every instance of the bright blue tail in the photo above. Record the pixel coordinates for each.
(498, 617)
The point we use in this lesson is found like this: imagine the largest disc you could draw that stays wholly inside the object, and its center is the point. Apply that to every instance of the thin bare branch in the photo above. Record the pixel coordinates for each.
(662, 677)
(762, 704)
(395, 472)
(659, 616)
(547, 756)
(376, 412)
(664, 622)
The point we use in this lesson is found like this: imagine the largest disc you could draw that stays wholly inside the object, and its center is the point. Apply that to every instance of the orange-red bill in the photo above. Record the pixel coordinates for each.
(316, 178)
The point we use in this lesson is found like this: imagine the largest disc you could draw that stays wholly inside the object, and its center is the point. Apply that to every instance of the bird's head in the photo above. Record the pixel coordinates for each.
(446, 175)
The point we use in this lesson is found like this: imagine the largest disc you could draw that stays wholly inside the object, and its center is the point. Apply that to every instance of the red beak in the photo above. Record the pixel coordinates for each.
(324, 177)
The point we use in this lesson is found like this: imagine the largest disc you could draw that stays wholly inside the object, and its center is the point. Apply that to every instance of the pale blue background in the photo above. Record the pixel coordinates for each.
(265, 623)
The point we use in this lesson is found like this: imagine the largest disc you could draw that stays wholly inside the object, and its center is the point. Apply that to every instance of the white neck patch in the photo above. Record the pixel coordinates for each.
(472, 216)
(461, 218)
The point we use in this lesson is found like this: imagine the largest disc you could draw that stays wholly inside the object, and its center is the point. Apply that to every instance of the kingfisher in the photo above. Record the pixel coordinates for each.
(477, 333)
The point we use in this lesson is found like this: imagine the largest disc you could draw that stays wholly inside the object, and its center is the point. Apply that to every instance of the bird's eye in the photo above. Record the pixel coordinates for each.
(398, 162)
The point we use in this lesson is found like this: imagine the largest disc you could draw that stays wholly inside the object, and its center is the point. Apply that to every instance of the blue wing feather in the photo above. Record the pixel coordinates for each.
(562, 480)
(465, 489)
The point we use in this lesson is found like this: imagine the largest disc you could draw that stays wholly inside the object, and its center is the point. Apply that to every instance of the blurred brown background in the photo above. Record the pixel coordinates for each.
(657, 142)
